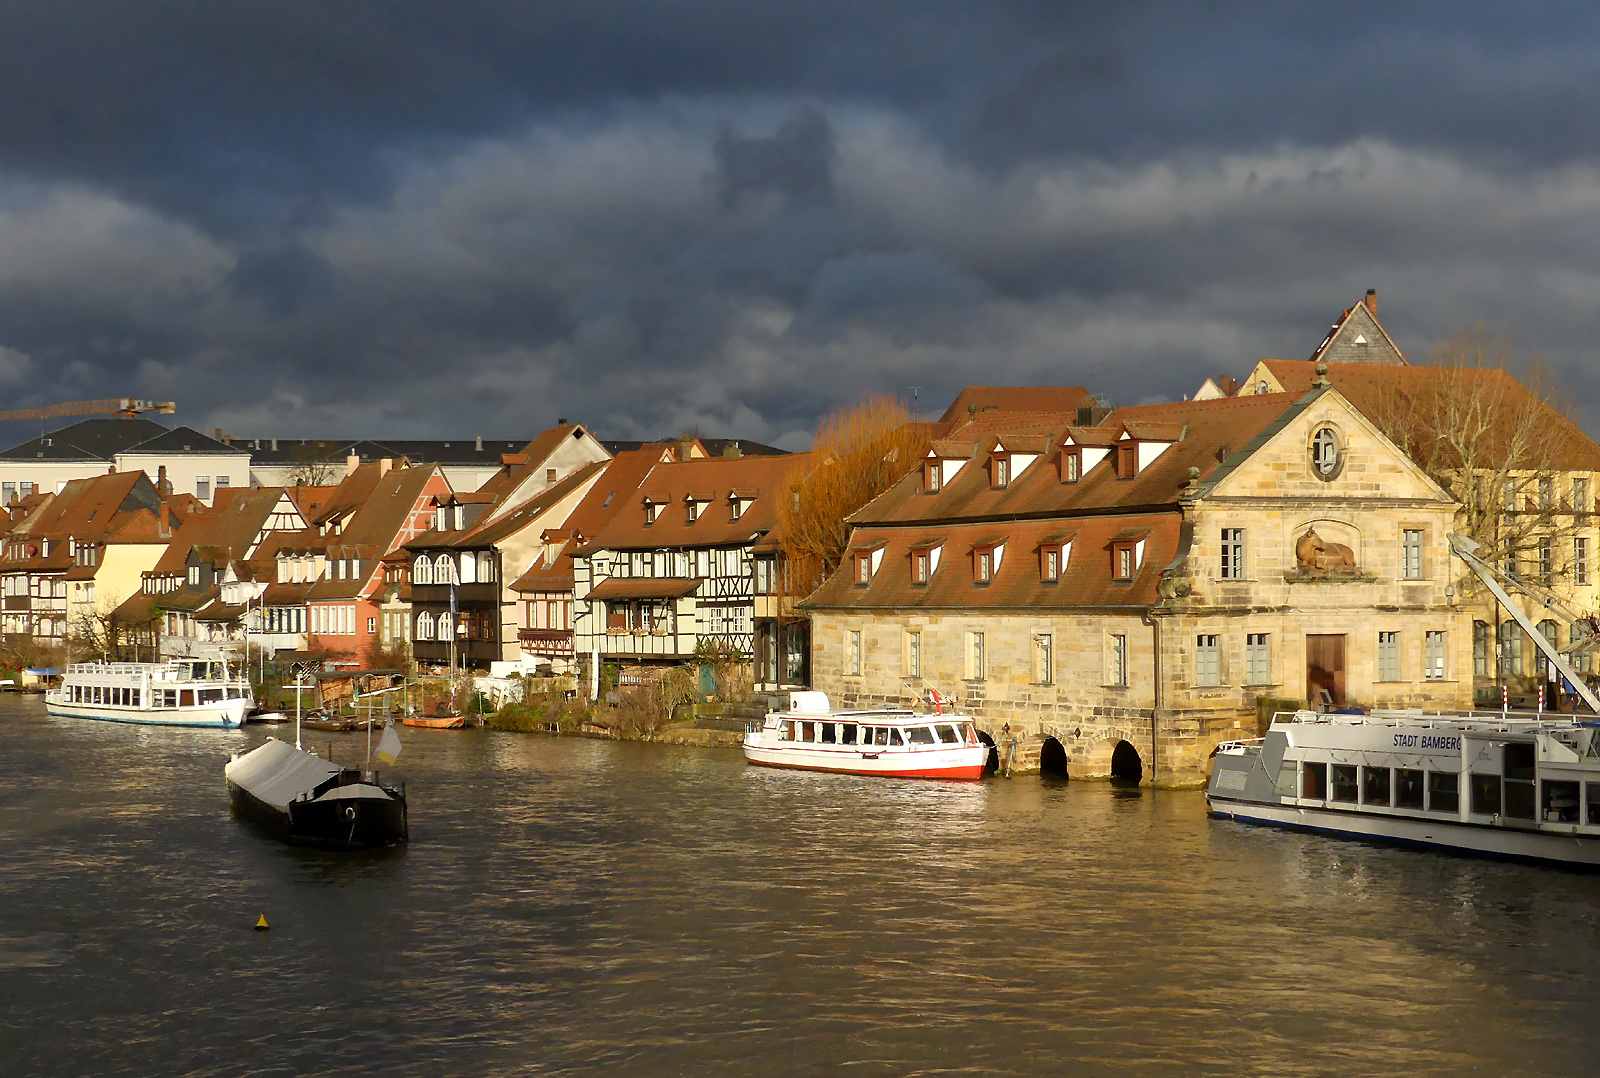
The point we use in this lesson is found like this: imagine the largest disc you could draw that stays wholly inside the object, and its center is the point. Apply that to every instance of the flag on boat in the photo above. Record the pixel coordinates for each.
(389, 743)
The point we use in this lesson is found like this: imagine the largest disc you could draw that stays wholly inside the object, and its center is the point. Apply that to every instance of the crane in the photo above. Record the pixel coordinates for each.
(122, 406)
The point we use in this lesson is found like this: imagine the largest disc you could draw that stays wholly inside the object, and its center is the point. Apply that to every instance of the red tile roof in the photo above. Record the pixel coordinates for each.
(760, 479)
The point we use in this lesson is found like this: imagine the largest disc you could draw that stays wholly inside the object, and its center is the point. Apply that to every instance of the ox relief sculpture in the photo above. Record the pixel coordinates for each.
(1315, 559)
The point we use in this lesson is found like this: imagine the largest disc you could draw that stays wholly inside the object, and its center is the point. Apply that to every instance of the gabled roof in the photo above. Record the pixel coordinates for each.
(667, 484)
(87, 440)
(1358, 337)
(533, 457)
(226, 532)
(614, 492)
(491, 532)
(185, 440)
(975, 400)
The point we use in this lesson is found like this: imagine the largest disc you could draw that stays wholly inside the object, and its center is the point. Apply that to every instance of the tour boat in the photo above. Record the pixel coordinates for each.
(309, 801)
(183, 692)
(1502, 784)
(889, 742)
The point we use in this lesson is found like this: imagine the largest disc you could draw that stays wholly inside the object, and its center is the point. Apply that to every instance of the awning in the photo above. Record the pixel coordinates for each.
(668, 587)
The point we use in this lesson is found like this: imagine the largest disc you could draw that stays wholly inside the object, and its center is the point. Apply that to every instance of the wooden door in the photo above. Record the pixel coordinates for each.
(1325, 670)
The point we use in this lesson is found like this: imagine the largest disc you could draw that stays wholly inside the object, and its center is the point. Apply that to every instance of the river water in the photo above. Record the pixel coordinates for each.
(568, 906)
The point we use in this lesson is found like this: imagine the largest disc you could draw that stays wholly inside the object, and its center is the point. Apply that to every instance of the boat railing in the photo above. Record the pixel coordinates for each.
(1243, 744)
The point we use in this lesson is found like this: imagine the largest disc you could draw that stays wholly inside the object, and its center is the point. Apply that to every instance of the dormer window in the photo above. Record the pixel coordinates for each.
(986, 562)
(1071, 465)
(932, 477)
(999, 471)
(863, 569)
(1049, 565)
(1123, 561)
(919, 567)
(1127, 460)
(924, 558)
(738, 506)
(693, 510)
(651, 511)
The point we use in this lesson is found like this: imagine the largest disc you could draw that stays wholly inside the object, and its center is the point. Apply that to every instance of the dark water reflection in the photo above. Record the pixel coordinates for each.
(572, 905)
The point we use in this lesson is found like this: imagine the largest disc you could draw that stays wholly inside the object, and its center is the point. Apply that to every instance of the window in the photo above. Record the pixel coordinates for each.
(1118, 660)
(1344, 782)
(1547, 560)
(1325, 453)
(202, 487)
(999, 471)
(1043, 659)
(651, 511)
(863, 569)
(422, 570)
(444, 569)
(1580, 560)
(424, 626)
(975, 667)
(1233, 553)
(194, 576)
(982, 566)
(1388, 656)
(1580, 496)
(222, 481)
(372, 625)
(852, 652)
(1122, 561)
(932, 477)
(1314, 781)
(1208, 660)
(1547, 492)
(1257, 659)
(1444, 791)
(913, 655)
(445, 626)
(1433, 658)
(1127, 461)
(1508, 496)
(1049, 565)
(1510, 649)
(738, 506)
(8, 493)
(1411, 554)
(1407, 788)
(1485, 791)
(1375, 786)
(694, 510)
(1071, 465)
(920, 560)
(1548, 630)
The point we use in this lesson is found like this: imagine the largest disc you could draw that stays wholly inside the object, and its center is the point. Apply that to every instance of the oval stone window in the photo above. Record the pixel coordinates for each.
(1326, 458)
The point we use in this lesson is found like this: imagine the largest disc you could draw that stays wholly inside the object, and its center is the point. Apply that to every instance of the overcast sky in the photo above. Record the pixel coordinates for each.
(449, 219)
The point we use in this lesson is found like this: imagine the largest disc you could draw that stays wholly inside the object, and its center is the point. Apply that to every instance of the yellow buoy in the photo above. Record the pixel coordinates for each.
(261, 923)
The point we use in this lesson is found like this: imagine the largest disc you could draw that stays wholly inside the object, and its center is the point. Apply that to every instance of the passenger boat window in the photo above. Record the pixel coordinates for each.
(1444, 791)
(134, 696)
(829, 737)
(1314, 781)
(210, 696)
(1407, 788)
(895, 737)
(1374, 785)
(1344, 782)
(1591, 794)
(880, 735)
(848, 733)
(806, 733)
(169, 697)
(947, 734)
(1518, 797)
(1559, 802)
(99, 694)
(1485, 794)
(969, 734)
(921, 735)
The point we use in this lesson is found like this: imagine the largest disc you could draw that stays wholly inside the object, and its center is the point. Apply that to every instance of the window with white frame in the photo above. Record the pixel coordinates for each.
(1580, 560)
(1434, 653)
(1389, 656)
(1233, 553)
(913, 653)
(1258, 658)
(1411, 554)
(975, 656)
(1117, 660)
(1044, 667)
(422, 571)
(202, 487)
(1208, 660)
(852, 652)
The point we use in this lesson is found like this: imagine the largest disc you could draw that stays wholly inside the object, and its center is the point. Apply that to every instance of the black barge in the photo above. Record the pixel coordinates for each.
(308, 801)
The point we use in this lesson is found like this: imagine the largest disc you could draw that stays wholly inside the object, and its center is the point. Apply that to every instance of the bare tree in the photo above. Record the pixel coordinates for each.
(313, 467)
(859, 452)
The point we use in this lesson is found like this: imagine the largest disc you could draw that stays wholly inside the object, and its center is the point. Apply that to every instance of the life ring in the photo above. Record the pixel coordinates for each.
(350, 813)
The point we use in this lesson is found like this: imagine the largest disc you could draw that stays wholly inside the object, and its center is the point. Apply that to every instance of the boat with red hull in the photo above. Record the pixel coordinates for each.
(886, 742)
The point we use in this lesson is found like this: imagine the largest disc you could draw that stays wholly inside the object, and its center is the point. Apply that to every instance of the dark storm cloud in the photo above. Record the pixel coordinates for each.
(472, 218)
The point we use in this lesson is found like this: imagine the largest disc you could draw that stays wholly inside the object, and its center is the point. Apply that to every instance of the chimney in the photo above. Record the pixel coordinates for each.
(685, 448)
(274, 445)
(478, 445)
(384, 465)
(162, 486)
(1372, 302)
(165, 531)
(731, 450)
(561, 422)
(351, 463)
(216, 433)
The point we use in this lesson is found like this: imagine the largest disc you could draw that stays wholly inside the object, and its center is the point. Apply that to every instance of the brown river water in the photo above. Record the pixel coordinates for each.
(573, 906)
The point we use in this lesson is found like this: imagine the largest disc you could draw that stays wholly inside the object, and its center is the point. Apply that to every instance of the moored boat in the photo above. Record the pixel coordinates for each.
(435, 722)
(182, 692)
(309, 801)
(887, 742)
(1497, 784)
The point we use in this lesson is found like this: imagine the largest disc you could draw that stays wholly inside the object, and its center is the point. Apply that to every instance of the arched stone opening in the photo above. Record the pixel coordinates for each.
(991, 762)
(1125, 763)
(1052, 759)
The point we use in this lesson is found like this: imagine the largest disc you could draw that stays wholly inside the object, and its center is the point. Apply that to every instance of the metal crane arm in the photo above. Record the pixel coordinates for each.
(125, 406)
(1463, 548)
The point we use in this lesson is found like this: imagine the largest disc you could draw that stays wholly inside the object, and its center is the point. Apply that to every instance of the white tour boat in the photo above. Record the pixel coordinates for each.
(890, 742)
(1501, 784)
(183, 692)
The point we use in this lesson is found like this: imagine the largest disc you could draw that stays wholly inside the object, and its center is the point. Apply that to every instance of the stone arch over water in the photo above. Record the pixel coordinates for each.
(1053, 759)
(1126, 766)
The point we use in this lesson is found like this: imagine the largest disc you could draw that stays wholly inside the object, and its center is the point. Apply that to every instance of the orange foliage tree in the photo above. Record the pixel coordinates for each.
(858, 453)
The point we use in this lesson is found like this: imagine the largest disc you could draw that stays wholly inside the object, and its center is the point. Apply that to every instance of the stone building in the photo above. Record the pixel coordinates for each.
(1118, 598)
